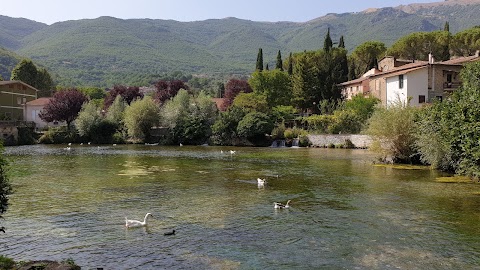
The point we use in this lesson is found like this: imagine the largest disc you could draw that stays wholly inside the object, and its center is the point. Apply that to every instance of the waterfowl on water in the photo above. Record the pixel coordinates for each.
(261, 182)
(170, 233)
(130, 223)
(2, 229)
(280, 205)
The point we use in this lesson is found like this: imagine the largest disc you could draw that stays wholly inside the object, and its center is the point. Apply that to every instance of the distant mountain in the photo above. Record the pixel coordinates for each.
(106, 50)
(8, 60)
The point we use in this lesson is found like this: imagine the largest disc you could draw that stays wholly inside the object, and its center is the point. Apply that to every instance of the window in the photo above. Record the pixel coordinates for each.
(421, 99)
(400, 81)
(449, 78)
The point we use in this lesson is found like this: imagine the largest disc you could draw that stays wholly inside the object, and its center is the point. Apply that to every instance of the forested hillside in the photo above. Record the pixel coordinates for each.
(106, 50)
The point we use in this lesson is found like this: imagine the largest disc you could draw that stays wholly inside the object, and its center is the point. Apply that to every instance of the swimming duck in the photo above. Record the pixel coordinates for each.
(280, 205)
(130, 223)
(261, 182)
(170, 233)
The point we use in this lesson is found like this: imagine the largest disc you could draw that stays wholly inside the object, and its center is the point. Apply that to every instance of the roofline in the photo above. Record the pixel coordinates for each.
(12, 82)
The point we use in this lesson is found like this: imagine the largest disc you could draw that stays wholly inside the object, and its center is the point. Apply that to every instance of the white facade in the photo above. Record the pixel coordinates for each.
(413, 87)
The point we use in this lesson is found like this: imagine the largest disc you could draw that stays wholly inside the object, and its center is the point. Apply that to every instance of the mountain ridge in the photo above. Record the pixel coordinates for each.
(108, 50)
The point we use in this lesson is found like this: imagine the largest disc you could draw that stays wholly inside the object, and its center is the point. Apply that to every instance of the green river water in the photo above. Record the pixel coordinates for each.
(345, 213)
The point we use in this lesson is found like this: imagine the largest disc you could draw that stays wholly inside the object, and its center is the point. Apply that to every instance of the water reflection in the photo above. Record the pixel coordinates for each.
(344, 214)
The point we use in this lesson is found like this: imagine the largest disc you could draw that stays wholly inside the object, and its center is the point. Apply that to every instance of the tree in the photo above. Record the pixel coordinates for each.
(466, 42)
(275, 85)
(341, 42)
(44, 83)
(224, 130)
(140, 117)
(393, 133)
(328, 43)
(365, 55)
(279, 64)
(115, 113)
(290, 65)
(129, 94)
(168, 89)
(93, 126)
(418, 46)
(352, 69)
(5, 187)
(64, 106)
(259, 65)
(447, 132)
(254, 126)
(232, 89)
(26, 72)
(251, 102)
(446, 27)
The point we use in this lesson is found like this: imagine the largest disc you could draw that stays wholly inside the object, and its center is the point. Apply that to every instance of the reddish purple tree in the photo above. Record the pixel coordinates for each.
(168, 89)
(64, 106)
(128, 94)
(232, 89)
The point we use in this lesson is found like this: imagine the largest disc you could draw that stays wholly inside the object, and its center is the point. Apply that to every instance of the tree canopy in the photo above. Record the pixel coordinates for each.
(64, 106)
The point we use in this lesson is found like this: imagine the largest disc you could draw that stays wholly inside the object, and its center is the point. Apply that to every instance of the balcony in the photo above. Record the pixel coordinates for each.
(450, 86)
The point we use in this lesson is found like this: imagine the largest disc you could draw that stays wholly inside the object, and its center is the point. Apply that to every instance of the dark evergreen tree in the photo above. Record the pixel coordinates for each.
(290, 65)
(26, 72)
(341, 43)
(352, 71)
(260, 60)
(266, 67)
(328, 43)
(279, 64)
(446, 27)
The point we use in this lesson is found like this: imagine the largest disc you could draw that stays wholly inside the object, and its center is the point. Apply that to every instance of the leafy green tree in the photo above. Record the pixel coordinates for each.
(116, 111)
(232, 89)
(393, 133)
(418, 46)
(365, 55)
(26, 72)
(466, 42)
(140, 117)
(88, 117)
(44, 83)
(93, 92)
(448, 132)
(259, 65)
(252, 102)
(279, 64)
(5, 187)
(275, 85)
(224, 130)
(254, 126)
(328, 43)
(189, 119)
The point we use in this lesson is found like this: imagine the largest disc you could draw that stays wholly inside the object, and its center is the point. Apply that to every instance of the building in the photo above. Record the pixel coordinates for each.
(13, 96)
(416, 82)
(33, 108)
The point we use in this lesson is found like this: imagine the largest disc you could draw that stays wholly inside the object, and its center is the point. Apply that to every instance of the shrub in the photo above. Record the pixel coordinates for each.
(6, 263)
(58, 135)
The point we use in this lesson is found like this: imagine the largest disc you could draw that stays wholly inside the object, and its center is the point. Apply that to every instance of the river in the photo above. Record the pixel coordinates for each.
(345, 213)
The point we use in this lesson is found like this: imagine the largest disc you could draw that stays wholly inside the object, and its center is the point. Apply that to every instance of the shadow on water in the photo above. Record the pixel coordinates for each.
(344, 214)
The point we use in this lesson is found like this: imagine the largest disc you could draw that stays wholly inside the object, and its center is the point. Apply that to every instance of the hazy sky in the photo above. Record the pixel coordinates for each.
(51, 11)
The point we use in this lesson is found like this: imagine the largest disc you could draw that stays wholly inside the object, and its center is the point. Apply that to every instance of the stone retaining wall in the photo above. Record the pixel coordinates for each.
(359, 141)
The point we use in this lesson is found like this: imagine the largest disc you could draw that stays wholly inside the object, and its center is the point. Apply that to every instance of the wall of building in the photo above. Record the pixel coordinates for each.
(12, 98)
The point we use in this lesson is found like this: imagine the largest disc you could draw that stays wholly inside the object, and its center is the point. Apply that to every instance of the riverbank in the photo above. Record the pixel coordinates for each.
(338, 140)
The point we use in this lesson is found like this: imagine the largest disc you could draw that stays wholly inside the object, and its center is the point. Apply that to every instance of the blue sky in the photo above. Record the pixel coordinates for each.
(51, 11)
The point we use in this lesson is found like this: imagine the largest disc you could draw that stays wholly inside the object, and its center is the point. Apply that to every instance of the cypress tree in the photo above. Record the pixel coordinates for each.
(266, 67)
(328, 43)
(351, 71)
(279, 64)
(446, 27)
(341, 43)
(290, 65)
(259, 60)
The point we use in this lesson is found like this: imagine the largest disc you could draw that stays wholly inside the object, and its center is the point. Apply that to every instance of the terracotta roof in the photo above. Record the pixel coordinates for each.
(406, 68)
(460, 60)
(219, 102)
(356, 81)
(39, 102)
(20, 82)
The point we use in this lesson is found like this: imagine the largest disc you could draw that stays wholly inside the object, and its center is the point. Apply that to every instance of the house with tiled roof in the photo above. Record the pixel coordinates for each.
(13, 96)
(415, 81)
(33, 109)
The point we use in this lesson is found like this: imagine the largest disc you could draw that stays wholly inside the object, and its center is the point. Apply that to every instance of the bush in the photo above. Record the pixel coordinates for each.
(254, 126)
(6, 263)
(58, 135)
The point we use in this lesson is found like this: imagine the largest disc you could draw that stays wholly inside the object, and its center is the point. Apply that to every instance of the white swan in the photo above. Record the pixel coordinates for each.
(130, 223)
(280, 205)
(232, 152)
